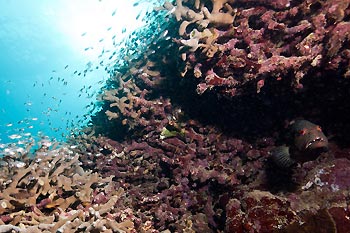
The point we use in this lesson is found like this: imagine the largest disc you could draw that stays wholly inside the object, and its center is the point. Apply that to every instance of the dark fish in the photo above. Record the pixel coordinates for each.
(307, 142)
(308, 136)
(281, 156)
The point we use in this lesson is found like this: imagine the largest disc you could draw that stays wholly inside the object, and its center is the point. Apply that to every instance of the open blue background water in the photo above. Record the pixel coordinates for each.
(44, 46)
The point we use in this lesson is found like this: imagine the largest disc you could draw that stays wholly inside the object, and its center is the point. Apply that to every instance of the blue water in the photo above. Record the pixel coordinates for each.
(55, 58)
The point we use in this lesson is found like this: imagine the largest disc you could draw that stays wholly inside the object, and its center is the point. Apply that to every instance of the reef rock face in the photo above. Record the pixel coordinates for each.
(321, 196)
(258, 211)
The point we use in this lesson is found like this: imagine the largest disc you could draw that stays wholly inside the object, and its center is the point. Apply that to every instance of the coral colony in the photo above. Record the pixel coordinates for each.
(184, 137)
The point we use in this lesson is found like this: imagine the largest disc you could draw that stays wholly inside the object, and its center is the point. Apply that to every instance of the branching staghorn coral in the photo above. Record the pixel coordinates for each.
(51, 192)
(131, 104)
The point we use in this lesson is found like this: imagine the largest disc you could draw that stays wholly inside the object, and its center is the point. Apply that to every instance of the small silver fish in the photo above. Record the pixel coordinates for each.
(15, 136)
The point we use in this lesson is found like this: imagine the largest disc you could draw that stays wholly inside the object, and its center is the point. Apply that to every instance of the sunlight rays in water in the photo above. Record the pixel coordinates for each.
(58, 54)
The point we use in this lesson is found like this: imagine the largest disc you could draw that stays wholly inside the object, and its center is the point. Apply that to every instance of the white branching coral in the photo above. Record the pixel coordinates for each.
(54, 193)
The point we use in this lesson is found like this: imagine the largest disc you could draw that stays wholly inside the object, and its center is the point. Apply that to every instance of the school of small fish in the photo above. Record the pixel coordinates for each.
(23, 131)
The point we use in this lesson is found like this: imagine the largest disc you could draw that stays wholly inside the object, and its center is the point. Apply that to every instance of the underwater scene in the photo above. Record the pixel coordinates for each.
(175, 116)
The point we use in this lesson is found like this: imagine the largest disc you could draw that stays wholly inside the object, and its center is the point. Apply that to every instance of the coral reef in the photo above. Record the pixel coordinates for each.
(199, 181)
(153, 159)
(49, 191)
(185, 176)
(175, 183)
(230, 46)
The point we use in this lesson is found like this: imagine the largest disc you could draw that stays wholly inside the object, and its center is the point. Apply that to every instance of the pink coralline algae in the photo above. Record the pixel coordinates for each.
(182, 175)
(172, 180)
(319, 197)
(253, 41)
(258, 212)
